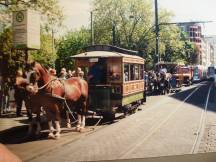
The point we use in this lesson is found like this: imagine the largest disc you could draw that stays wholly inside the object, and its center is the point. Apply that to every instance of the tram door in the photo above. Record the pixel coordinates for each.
(99, 91)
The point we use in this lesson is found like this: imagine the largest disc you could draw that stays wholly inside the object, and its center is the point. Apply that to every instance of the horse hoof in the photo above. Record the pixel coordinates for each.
(52, 129)
(78, 129)
(81, 130)
(68, 125)
(51, 136)
(57, 136)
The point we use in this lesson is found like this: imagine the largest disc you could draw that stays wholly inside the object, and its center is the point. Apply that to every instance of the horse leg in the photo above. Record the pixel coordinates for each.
(30, 127)
(83, 105)
(58, 129)
(57, 121)
(82, 123)
(38, 119)
(79, 122)
(68, 119)
(51, 128)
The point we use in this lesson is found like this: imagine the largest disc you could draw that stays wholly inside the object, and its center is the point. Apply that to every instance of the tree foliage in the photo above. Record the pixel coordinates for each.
(51, 15)
(135, 29)
(46, 55)
(10, 58)
(72, 43)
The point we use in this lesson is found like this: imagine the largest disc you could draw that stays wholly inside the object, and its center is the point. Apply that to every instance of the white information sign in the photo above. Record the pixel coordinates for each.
(26, 29)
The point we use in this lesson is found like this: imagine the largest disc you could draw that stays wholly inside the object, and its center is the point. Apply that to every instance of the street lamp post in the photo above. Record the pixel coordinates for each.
(53, 45)
(114, 33)
(157, 53)
(92, 29)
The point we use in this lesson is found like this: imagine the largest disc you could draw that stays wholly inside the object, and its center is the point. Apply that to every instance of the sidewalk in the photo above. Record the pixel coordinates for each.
(9, 123)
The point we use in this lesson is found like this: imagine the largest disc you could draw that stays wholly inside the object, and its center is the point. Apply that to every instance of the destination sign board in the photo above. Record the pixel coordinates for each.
(26, 29)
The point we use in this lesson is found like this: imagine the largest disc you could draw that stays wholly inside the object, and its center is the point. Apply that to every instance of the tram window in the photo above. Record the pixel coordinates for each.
(132, 72)
(141, 72)
(114, 71)
(136, 72)
(126, 72)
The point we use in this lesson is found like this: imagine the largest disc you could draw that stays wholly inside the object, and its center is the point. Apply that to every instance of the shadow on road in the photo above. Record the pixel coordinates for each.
(18, 135)
(198, 99)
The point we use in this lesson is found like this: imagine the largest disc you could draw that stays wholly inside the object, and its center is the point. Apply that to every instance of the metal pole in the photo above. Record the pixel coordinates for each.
(26, 56)
(92, 29)
(53, 46)
(157, 31)
(114, 33)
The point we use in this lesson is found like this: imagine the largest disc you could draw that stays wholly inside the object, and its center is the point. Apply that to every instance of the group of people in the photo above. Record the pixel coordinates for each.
(96, 75)
(65, 75)
(20, 95)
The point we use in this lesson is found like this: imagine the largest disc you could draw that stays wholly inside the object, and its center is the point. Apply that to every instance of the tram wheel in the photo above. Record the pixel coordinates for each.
(109, 116)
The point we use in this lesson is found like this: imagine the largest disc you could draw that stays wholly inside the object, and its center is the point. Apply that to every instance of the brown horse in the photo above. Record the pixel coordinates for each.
(74, 91)
(32, 106)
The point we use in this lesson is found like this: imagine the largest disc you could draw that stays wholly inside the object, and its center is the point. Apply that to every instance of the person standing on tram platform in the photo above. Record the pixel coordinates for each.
(96, 74)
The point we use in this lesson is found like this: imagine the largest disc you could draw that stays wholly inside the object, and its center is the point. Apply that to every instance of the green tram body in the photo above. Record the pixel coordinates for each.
(118, 90)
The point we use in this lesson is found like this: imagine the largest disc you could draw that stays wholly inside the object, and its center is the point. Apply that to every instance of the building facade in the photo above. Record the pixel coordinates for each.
(206, 46)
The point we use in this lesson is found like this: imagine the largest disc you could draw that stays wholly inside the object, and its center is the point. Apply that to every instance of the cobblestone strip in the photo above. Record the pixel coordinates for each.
(208, 143)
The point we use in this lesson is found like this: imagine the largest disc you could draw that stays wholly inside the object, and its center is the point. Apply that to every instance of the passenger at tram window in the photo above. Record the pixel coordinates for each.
(126, 77)
(20, 93)
(132, 72)
(126, 72)
(136, 68)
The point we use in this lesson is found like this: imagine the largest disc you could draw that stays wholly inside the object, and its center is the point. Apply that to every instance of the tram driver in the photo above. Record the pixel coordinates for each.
(96, 74)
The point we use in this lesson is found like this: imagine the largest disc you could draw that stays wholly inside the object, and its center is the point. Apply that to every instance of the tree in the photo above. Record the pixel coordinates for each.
(51, 12)
(71, 44)
(44, 55)
(10, 58)
(51, 15)
(134, 21)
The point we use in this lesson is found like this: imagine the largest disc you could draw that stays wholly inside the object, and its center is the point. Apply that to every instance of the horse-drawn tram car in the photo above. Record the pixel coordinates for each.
(173, 75)
(115, 77)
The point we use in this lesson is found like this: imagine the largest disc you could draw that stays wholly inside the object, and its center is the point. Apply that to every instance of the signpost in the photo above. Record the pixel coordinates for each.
(26, 30)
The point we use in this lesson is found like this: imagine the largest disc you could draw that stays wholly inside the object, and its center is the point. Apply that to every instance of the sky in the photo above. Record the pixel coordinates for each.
(77, 12)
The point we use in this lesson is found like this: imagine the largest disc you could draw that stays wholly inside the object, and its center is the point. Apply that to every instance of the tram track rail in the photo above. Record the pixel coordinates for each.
(156, 127)
(201, 127)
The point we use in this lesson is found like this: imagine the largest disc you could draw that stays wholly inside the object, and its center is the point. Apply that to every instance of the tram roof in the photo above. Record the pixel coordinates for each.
(103, 54)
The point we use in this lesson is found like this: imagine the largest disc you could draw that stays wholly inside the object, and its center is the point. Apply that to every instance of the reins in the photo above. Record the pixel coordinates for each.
(42, 87)
(56, 96)
(65, 101)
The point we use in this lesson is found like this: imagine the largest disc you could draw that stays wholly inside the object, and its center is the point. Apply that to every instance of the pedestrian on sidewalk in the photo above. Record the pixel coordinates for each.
(5, 95)
(20, 93)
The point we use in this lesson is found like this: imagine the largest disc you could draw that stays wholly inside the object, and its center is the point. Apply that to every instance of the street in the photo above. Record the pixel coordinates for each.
(173, 124)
